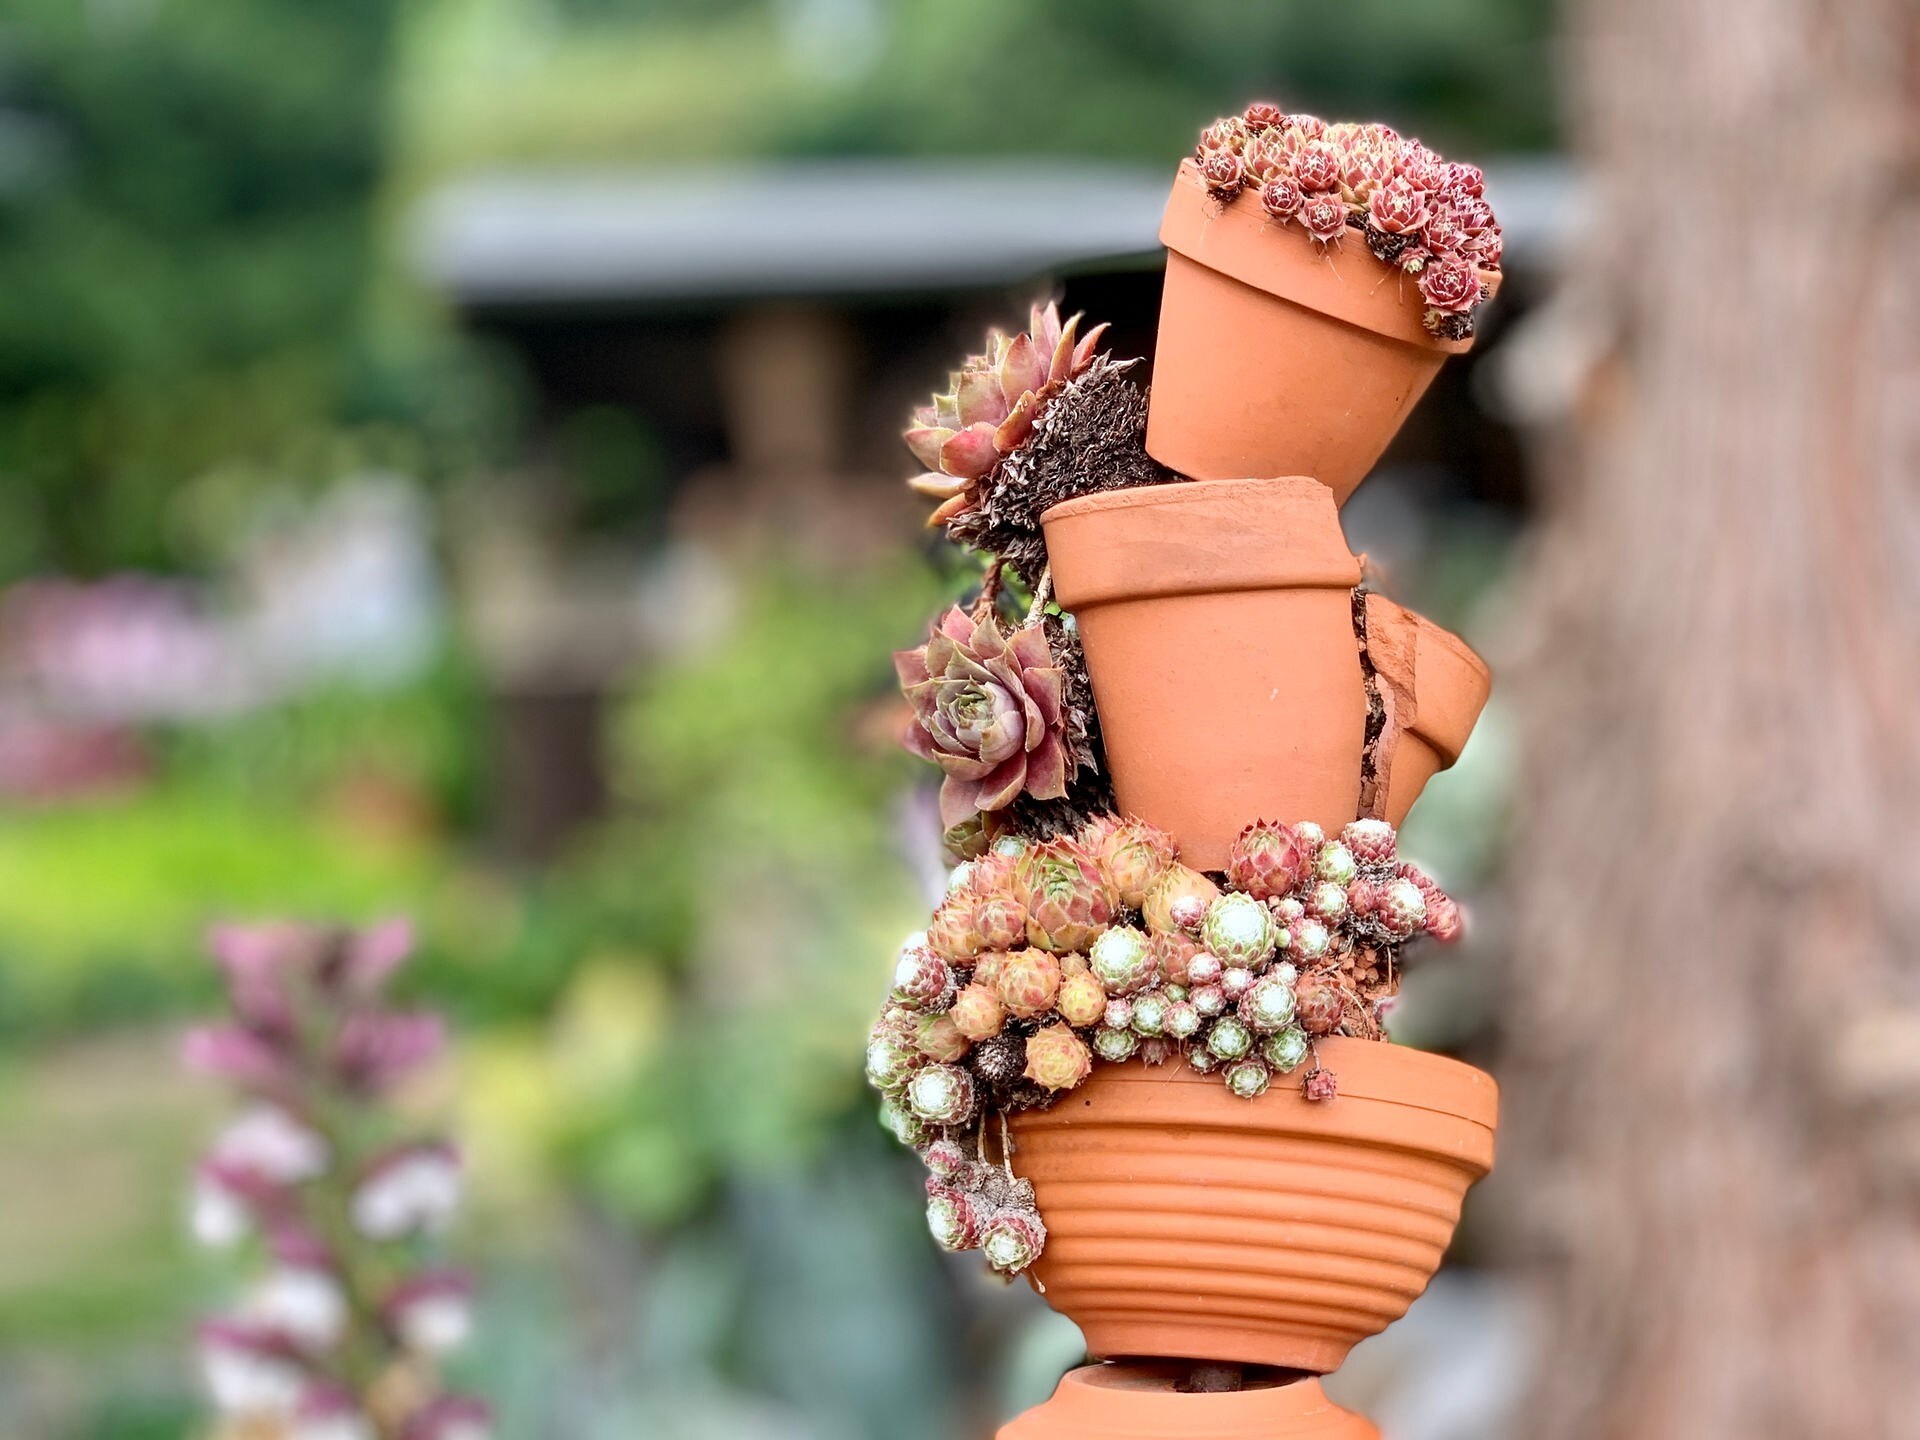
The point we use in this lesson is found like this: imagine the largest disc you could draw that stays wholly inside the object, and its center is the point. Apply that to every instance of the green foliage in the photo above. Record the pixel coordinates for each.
(184, 245)
(760, 870)
(1134, 79)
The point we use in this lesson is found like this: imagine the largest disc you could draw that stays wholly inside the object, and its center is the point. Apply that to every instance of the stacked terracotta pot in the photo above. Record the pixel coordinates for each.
(1240, 674)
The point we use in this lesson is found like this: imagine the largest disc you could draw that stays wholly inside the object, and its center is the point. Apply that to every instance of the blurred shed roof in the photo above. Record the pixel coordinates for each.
(564, 237)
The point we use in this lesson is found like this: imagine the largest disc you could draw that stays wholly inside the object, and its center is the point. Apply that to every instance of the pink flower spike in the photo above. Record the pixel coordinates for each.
(267, 1142)
(451, 1417)
(373, 954)
(413, 1188)
(328, 1411)
(432, 1312)
(376, 1050)
(249, 1370)
(235, 1054)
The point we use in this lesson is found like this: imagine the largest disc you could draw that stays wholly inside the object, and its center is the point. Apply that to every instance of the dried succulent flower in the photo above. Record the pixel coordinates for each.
(987, 711)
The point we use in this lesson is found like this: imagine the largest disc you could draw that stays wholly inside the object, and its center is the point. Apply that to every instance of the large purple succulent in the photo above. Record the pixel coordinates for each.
(987, 710)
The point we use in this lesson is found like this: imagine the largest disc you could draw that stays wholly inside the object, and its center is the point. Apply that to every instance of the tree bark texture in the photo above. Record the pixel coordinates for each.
(1713, 1041)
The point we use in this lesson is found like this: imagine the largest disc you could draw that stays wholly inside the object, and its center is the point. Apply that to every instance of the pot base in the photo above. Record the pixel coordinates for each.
(1138, 1401)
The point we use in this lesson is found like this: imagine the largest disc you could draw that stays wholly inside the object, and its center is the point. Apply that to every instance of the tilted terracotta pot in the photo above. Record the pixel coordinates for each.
(1218, 624)
(1433, 687)
(1139, 1402)
(1185, 1222)
(1276, 355)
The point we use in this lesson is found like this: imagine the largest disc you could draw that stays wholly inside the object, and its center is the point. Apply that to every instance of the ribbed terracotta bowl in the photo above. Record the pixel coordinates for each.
(1184, 1222)
(1140, 1402)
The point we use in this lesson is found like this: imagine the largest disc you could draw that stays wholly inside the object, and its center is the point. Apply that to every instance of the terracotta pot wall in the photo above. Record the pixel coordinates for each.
(1135, 1402)
(1276, 355)
(1186, 1222)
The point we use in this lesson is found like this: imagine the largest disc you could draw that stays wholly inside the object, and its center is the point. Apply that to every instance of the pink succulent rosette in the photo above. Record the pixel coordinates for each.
(987, 710)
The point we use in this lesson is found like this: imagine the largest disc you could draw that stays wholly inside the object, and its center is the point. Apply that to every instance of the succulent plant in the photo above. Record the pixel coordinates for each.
(1335, 862)
(1285, 1050)
(1122, 960)
(1081, 1001)
(1208, 1000)
(1013, 1240)
(1239, 930)
(1229, 1038)
(952, 1218)
(1177, 889)
(1057, 1058)
(1401, 908)
(939, 1038)
(1319, 1085)
(1318, 1003)
(1114, 1044)
(951, 933)
(1172, 954)
(1327, 902)
(977, 1012)
(1131, 855)
(1150, 1014)
(1182, 1020)
(901, 1123)
(1029, 982)
(945, 1160)
(1066, 899)
(1267, 860)
(891, 1058)
(942, 1095)
(923, 980)
(1371, 841)
(992, 404)
(1204, 968)
(1416, 211)
(1268, 1005)
(1247, 1078)
(988, 711)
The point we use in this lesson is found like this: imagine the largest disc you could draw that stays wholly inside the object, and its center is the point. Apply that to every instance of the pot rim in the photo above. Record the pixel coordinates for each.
(1445, 728)
(1275, 533)
(1375, 1071)
(1185, 492)
(1240, 240)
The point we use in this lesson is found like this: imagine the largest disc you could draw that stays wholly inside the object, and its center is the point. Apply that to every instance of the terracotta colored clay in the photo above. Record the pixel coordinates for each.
(1434, 688)
(1139, 1402)
(1218, 624)
(1185, 1222)
(1277, 356)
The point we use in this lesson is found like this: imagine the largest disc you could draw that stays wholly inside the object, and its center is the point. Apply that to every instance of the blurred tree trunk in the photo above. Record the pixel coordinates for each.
(1713, 1070)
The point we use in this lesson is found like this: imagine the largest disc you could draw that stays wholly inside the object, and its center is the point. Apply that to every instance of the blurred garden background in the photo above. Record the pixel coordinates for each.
(448, 466)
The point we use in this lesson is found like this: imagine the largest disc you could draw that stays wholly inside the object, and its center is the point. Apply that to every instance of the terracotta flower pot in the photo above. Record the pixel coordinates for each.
(1434, 688)
(1278, 356)
(1139, 1402)
(1218, 624)
(1184, 1222)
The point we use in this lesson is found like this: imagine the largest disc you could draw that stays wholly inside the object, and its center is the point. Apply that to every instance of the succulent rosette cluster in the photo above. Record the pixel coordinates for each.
(992, 404)
(1048, 957)
(1414, 210)
(339, 1331)
(988, 709)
